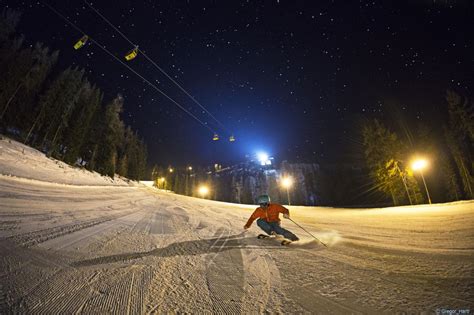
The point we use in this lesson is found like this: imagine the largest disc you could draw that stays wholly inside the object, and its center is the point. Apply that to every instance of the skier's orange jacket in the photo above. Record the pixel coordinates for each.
(269, 214)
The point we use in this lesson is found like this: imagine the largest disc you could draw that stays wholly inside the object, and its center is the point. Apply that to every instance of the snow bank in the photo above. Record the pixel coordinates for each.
(19, 160)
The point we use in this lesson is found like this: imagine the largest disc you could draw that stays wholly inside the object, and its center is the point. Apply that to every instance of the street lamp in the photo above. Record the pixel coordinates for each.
(419, 165)
(171, 170)
(203, 191)
(287, 182)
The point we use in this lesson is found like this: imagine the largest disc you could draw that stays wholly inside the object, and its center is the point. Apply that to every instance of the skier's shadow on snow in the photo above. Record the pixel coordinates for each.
(187, 248)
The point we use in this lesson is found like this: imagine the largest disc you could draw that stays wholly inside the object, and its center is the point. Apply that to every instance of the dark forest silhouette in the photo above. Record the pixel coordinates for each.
(63, 115)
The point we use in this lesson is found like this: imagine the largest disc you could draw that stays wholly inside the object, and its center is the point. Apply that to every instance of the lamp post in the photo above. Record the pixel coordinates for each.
(287, 182)
(419, 165)
(404, 182)
(186, 184)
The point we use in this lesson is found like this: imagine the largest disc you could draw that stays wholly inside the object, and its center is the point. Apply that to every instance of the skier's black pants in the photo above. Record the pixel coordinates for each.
(268, 227)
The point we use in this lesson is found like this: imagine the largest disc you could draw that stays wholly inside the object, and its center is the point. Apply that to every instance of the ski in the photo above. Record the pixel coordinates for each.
(286, 242)
(262, 236)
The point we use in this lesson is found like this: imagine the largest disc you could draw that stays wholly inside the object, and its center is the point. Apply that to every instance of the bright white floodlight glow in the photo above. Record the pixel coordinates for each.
(263, 158)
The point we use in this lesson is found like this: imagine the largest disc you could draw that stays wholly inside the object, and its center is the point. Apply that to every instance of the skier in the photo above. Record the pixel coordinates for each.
(268, 218)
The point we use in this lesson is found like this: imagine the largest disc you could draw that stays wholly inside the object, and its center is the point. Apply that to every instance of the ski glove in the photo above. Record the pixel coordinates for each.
(286, 215)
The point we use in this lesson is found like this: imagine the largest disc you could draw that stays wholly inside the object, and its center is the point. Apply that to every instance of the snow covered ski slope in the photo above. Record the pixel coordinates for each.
(74, 242)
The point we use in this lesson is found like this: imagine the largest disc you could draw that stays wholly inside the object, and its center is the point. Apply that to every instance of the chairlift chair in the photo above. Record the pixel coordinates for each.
(81, 42)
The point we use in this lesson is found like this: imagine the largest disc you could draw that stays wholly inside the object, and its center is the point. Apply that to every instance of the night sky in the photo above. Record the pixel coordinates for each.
(288, 77)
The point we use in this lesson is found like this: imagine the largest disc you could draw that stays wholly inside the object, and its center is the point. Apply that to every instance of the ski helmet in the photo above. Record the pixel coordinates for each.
(263, 199)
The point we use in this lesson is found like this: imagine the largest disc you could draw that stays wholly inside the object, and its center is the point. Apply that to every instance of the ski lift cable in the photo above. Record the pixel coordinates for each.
(127, 66)
(182, 89)
(156, 65)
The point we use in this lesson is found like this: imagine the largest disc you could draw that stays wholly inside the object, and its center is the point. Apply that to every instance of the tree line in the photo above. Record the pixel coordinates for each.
(62, 115)
(448, 146)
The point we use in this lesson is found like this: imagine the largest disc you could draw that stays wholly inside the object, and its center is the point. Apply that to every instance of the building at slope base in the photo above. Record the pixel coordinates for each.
(244, 182)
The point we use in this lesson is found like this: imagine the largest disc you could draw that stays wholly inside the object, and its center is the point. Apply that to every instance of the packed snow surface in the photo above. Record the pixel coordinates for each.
(77, 242)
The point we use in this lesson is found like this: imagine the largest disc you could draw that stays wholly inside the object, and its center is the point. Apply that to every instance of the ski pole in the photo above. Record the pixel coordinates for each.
(307, 231)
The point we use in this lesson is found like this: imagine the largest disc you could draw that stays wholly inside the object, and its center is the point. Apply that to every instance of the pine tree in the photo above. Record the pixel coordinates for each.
(126, 153)
(112, 137)
(14, 72)
(60, 119)
(94, 137)
(56, 105)
(9, 47)
(460, 139)
(384, 155)
(80, 122)
(177, 182)
(154, 172)
(122, 169)
(44, 61)
(9, 20)
(450, 178)
(23, 72)
(137, 156)
(142, 159)
(68, 115)
(19, 108)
